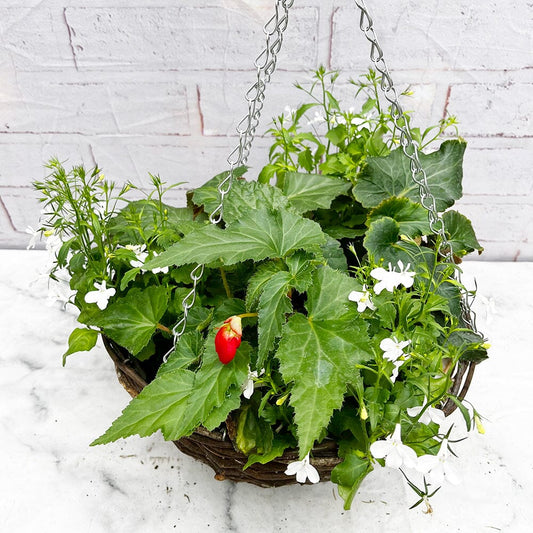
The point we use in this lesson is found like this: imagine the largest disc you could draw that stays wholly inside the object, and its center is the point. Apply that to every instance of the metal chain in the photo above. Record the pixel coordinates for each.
(265, 64)
(411, 150)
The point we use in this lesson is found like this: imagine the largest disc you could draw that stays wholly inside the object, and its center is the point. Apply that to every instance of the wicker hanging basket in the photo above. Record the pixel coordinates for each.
(216, 449)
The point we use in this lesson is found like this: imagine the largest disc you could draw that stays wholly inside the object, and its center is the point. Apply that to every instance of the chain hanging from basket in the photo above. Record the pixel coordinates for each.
(266, 64)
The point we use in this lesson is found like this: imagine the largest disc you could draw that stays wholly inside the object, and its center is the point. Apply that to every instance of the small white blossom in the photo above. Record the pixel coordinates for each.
(304, 470)
(248, 385)
(59, 289)
(288, 111)
(393, 348)
(394, 451)
(318, 118)
(390, 279)
(431, 414)
(100, 296)
(437, 468)
(34, 235)
(362, 298)
(53, 243)
(157, 270)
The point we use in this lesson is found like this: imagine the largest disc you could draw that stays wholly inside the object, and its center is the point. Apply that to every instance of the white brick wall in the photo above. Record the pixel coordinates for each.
(141, 86)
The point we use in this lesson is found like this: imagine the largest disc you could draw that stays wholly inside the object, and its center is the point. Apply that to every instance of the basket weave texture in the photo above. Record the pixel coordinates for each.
(216, 449)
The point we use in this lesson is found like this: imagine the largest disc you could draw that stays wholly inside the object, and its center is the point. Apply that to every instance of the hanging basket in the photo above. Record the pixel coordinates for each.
(216, 449)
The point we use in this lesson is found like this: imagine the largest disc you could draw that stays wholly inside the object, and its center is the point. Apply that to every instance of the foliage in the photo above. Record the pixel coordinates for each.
(297, 257)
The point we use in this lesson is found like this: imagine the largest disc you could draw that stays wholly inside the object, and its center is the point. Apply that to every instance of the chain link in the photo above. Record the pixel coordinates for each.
(265, 64)
(411, 150)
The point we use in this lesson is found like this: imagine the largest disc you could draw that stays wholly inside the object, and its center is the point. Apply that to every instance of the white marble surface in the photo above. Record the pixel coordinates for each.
(52, 481)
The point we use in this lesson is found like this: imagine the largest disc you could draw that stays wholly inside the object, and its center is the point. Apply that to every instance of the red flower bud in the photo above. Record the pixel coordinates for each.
(228, 339)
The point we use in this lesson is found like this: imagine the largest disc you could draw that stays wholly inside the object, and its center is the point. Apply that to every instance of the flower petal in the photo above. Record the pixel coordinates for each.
(380, 448)
(312, 473)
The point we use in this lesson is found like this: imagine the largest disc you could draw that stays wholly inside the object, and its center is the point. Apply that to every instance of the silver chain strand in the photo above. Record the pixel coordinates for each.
(265, 64)
(411, 150)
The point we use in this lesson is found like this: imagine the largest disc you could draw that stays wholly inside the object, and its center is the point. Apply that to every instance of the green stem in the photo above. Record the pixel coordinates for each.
(246, 315)
(225, 283)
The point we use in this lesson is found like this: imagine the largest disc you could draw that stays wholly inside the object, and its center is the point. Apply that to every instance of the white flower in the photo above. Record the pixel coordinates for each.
(59, 289)
(288, 111)
(394, 451)
(393, 348)
(318, 118)
(248, 385)
(437, 468)
(431, 414)
(390, 279)
(363, 299)
(157, 270)
(304, 470)
(100, 296)
(140, 255)
(34, 235)
(53, 243)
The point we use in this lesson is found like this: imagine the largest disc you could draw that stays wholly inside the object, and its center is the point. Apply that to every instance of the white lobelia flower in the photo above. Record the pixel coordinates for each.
(53, 243)
(438, 468)
(248, 385)
(304, 470)
(393, 348)
(34, 235)
(140, 255)
(59, 289)
(100, 296)
(390, 279)
(362, 298)
(394, 451)
(431, 414)
(157, 270)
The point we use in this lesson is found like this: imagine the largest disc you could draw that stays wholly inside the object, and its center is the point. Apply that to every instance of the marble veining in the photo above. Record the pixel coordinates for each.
(51, 480)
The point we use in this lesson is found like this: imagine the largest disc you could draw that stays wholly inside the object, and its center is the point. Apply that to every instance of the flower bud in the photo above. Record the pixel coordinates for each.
(228, 339)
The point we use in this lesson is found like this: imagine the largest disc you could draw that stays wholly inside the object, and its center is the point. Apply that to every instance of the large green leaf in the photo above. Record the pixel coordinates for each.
(246, 195)
(388, 176)
(411, 217)
(274, 304)
(257, 235)
(132, 320)
(307, 192)
(462, 237)
(178, 401)
(318, 354)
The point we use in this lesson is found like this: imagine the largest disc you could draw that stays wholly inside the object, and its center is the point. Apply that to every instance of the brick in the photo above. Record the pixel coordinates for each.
(23, 208)
(455, 35)
(498, 171)
(95, 108)
(23, 161)
(34, 39)
(500, 224)
(192, 163)
(194, 38)
(493, 109)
